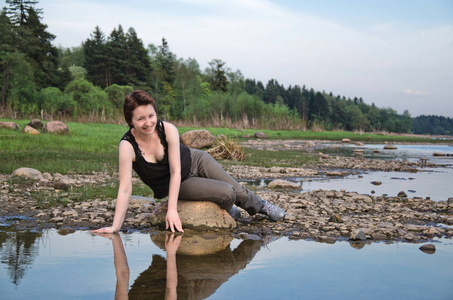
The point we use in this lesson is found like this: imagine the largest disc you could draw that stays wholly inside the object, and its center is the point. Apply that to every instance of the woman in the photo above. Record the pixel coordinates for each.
(152, 149)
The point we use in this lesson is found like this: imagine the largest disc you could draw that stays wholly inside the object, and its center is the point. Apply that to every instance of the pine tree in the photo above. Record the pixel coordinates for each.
(96, 59)
(137, 62)
(117, 55)
(219, 82)
(166, 62)
(32, 39)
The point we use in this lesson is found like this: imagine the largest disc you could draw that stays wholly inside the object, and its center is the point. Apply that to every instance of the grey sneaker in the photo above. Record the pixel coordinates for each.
(234, 213)
(273, 211)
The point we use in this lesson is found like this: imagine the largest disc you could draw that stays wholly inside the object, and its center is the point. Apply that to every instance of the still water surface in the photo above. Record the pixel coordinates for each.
(46, 265)
(82, 266)
(435, 183)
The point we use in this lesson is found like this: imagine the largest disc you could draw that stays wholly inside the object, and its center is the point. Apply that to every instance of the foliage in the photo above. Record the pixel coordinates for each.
(116, 94)
(89, 98)
(52, 101)
(437, 125)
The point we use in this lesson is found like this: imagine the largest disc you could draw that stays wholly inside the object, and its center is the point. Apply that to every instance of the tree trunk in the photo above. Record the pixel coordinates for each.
(5, 83)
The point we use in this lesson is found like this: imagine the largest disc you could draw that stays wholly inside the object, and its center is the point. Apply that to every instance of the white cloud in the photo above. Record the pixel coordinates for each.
(414, 93)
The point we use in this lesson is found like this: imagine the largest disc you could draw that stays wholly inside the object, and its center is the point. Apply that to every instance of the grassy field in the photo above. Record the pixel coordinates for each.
(94, 147)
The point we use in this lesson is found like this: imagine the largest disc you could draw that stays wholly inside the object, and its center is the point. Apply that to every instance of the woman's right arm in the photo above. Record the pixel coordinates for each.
(126, 157)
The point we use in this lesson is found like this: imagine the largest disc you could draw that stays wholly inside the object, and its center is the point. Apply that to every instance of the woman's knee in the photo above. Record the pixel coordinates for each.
(226, 197)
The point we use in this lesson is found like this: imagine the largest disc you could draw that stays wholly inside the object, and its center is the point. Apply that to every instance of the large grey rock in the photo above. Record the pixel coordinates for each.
(199, 215)
(28, 173)
(197, 139)
(56, 127)
(283, 184)
(10, 125)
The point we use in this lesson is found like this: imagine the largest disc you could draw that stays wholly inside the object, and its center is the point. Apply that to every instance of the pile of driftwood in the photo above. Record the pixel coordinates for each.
(225, 148)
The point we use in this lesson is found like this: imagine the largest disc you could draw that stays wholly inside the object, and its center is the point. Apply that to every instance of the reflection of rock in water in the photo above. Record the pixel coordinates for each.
(199, 276)
(197, 243)
(18, 250)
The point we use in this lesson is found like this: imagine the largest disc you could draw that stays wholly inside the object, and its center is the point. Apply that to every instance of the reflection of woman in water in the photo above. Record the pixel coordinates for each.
(181, 276)
(152, 149)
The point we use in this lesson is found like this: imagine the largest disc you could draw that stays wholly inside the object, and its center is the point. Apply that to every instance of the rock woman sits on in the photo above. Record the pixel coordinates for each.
(152, 149)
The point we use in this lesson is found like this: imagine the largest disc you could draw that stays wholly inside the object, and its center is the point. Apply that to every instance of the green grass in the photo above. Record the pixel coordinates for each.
(314, 135)
(267, 159)
(87, 148)
(94, 147)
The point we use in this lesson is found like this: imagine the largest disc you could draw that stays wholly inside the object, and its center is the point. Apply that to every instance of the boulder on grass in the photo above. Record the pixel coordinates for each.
(36, 124)
(261, 135)
(10, 125)
(56, 127)
(30, 130)
(197, 139)
(198, 215)
(28, 173)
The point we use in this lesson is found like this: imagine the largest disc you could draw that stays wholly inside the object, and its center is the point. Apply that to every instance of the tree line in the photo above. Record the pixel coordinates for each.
(93, 78)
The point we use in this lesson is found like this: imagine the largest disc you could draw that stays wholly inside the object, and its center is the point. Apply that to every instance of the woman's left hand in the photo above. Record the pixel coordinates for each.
(103, 231)
(173, 221)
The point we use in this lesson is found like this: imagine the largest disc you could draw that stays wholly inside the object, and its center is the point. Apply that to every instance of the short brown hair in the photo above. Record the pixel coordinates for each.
(134, 100)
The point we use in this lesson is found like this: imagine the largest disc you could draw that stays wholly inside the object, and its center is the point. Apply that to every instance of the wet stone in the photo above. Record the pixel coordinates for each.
(428, 248)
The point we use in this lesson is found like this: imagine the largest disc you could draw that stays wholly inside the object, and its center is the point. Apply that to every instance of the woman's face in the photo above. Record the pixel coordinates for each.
(144, 119)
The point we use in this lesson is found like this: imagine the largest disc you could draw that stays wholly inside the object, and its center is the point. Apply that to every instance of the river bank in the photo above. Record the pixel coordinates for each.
(321, 215)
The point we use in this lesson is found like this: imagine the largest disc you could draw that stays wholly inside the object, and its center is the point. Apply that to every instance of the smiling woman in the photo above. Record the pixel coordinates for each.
(152, 149)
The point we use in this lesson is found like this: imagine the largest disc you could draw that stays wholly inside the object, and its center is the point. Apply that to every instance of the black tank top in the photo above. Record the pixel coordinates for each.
(157, 175)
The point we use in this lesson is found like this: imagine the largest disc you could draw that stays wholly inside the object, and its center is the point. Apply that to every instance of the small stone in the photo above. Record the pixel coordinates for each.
(439, 154)
(66, 231)
(379, 236)
(428, 248)
(376, 182)
(390, 147)
(357, 235)
(334, 174)
(402, 194)
(335, 219)
(47, 176)
(283, 184)
(260, 135)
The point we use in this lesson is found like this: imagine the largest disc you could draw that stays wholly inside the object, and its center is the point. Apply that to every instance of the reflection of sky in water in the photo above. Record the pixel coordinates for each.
(429, 182)
(409, 152)
(80, 266)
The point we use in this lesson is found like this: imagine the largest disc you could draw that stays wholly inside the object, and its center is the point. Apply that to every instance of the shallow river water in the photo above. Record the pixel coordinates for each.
(47, 265)
(81, 266)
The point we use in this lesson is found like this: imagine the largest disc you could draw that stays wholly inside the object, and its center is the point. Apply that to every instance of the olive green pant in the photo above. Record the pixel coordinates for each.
(208, 181)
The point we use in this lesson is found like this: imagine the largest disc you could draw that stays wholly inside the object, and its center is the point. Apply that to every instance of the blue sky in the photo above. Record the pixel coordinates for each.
(396, 54)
